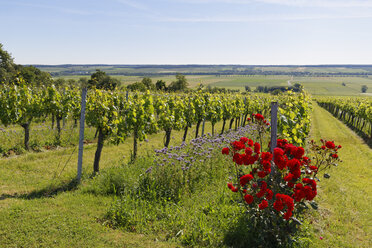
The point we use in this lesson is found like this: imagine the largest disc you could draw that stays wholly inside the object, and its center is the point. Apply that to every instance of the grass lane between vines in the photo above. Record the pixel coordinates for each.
(71, 218)
(345, 215)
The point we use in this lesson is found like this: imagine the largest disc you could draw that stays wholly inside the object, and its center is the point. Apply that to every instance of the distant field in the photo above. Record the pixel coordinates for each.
(314, 85)
(318, 80)
(333, 85)
(295, 70)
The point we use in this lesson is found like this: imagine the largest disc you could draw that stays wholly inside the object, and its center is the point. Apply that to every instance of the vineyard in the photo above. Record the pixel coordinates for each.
(166, 192)
(117, 115)
(354, 111)
(213, 123)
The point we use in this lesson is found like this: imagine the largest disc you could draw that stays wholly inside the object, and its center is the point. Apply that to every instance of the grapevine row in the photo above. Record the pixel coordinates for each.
(355, 111)
(117, 115)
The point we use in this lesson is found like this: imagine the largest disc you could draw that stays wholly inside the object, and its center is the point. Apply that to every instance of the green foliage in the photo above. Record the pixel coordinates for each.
(355, 111)
(20, 105)
(364, 88)
(294, 117)
(180, 84)
(148, 83)
(101, 112)
(11, 73)
(160, 85)
(7, 67)
(100, 80)
(34, 76)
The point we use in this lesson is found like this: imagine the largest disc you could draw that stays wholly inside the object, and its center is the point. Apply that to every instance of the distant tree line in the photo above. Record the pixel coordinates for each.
(180, 84)
(225, 73)
(278, 89)
(11, 72)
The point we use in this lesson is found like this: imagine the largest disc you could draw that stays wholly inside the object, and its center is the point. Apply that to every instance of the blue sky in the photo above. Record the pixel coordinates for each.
(187, 31)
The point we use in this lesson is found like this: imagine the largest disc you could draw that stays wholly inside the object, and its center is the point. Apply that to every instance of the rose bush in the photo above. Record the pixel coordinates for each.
(275, 187)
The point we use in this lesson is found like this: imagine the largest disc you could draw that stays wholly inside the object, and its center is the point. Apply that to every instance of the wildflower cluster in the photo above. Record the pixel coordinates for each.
(198, 150)
(281, 180)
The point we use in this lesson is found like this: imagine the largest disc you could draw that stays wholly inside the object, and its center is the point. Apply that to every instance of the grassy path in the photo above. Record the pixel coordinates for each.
(345, 213)
(72, 218)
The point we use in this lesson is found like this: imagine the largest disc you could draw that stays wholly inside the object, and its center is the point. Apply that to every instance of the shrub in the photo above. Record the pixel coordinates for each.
(276, 187)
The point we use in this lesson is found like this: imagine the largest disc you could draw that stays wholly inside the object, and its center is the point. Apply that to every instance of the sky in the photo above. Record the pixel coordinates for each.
(250, 32)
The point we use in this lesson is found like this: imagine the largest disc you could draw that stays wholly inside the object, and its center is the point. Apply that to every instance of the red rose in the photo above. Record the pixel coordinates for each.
(287, 215)
(278, 205)
(257, 147)
(288, 177)
(248, 151)
(266, 156)
(278, 152)
(330, 145)
(243, 139)
(248, 198)
(260, 193)
(299, 152)
(238, 145)
(238, 158)
(225, 150)
(266, 164)
(263, 185)
(259, 117)
(245, 179)
(261, 174)
(269, 194)
(264, 204)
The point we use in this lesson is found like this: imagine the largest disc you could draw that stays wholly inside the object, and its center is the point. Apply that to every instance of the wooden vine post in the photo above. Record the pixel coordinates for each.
(81, 134)
(274, 131)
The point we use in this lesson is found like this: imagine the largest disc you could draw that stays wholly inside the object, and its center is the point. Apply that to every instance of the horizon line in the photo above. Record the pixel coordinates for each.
(194, 64)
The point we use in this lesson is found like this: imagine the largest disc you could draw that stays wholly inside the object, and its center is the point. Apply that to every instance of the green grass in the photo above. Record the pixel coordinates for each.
(314, 85)
(36, 211)
(42, 137)
(345, 214)
(54, 217)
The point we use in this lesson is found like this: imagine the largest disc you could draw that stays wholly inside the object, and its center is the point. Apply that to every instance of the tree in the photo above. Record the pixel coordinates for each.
(7, 66)
(247, 88)
(100, 80)
(60, 82)
(364, 88)
(11, 72)
(180, 84)
(137, 86)
(148, 83)
(34, 76)
(160, 85)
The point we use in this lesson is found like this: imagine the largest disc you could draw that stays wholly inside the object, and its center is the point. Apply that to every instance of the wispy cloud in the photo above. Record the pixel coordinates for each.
(134, 4)
(295, 3)
(267, 18)
(141, 7)
(51, 7)
(320, 3)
